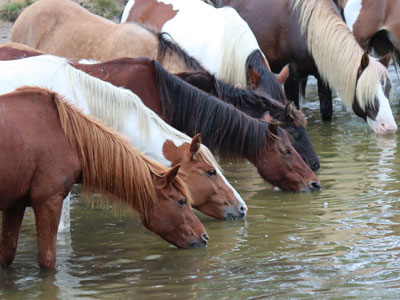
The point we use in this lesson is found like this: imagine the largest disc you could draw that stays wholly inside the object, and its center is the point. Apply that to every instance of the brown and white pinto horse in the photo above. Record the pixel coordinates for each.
(375, 24)
(279, 32)
(57, 146)
(212, 195)
(217, 37)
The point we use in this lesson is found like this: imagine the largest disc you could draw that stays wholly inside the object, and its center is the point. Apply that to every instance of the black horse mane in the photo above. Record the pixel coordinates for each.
(255, 60)
(223, 128)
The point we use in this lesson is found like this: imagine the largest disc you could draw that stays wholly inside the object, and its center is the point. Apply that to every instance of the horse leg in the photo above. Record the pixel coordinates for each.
(11, 224)
(292, 86)
(325, 100)
(65, 223)
(47, 218)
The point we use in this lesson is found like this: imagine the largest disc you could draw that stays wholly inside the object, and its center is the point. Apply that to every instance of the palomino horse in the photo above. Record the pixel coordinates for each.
(334, 51)
(125, 112)
(375, 24)
(56, 146)
(271, 152)
(138, 75)
(258, 105)
(219, 38)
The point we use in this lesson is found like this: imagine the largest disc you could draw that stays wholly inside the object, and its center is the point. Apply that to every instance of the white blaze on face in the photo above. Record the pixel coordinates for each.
(384, 122)
(238, 197)
(351, 12)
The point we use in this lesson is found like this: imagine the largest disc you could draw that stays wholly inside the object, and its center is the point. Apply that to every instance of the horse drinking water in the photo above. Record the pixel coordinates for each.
(57, 146)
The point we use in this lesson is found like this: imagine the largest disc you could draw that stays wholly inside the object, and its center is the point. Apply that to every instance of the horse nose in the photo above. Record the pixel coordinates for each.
(316, 166)
(389, 128)
(314, 185)
(205, 237)
(243, 211)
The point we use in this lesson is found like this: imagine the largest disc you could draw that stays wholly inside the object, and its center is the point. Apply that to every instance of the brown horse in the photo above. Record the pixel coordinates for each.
(56, 146)
(375, 24)
(211, 193)
(281, 26)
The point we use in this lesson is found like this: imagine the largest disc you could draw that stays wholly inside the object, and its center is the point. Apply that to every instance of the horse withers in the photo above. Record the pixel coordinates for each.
(57, 146)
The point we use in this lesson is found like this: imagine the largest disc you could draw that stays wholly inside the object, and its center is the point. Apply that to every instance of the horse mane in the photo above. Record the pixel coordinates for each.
(256, 62)
(223, 128)
(333, 46)
(238, 42)
(117, 101)
(109, 162)
(241, 98)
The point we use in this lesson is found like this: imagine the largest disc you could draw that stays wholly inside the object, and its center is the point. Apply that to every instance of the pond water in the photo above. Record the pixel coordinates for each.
(340, 243)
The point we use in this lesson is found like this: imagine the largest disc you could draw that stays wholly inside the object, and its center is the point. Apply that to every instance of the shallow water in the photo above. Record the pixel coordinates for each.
(342, 242)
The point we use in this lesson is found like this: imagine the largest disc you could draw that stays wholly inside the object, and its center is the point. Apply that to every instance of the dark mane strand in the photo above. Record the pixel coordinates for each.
(223, 128)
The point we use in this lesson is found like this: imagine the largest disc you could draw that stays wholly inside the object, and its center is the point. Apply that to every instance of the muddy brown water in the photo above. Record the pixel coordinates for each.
(340, 243)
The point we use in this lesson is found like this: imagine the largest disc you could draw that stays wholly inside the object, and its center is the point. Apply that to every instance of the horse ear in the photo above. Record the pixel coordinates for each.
(289, 110)
(253, 77)
(171, 152)
(283, 75)
(364, 61)
(266, 117)
(273, 127)
(171, 174)
(384, 60)
(195, 145)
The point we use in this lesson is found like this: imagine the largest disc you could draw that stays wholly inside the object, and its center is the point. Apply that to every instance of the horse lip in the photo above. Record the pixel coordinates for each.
(197, 244)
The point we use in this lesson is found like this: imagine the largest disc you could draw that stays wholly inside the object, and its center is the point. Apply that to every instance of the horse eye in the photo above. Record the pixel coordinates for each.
(182, 202)
(286, 151)
(211, 173)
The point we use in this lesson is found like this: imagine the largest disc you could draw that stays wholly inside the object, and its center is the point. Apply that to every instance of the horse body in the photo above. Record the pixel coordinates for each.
(124, 111)
(224, 44)
(75, 33)
(332, 47)
(39, 172)
(375, 24)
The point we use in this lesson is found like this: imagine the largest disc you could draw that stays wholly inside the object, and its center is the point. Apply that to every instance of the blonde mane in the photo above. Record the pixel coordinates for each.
(109, 162)
(117, 101)
(337, 53)
(239, 42)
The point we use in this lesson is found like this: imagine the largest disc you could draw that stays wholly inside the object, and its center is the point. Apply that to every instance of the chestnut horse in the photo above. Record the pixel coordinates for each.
(57, 146)
(375, 24)
(125, 112)
(363, 84)
(218, 38)
(138, 75)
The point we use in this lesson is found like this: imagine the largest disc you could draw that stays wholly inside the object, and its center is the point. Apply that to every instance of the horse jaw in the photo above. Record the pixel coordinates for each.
(384, 122)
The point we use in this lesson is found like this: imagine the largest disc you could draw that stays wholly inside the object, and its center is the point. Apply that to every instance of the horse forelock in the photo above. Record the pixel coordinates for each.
(223, 128)
(238, 42)
(334, 48)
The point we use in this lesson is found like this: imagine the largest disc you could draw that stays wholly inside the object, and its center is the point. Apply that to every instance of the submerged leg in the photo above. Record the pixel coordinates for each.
(47, 218)
(65, 223)
(325, 100)
(11, 224)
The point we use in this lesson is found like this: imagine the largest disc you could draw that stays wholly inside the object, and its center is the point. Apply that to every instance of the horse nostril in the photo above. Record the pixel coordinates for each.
(314, 185)
(316, 167)
(243, 210)
(204, 237)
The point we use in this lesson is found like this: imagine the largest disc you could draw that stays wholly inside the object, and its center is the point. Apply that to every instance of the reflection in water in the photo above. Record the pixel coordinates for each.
(341, 242)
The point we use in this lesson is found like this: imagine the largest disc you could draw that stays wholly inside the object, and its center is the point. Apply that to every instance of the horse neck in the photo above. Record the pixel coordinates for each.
(109, 163)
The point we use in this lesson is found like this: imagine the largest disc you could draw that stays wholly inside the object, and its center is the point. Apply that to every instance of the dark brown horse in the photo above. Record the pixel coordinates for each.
(56, 146)
(278, 30)
(141, 76)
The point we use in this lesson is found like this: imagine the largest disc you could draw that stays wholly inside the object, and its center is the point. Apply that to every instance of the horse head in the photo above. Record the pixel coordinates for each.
(211, 193)
(281, 165)
(172, 217)
(371, 100)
